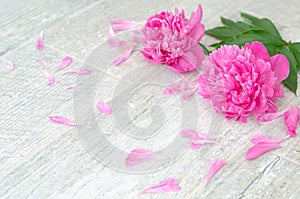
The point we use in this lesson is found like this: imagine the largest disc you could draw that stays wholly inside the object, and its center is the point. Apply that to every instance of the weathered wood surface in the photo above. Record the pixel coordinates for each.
(39, 159)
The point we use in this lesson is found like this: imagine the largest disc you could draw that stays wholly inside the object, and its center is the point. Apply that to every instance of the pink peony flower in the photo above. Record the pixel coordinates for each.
(170, 38)
(241, 82)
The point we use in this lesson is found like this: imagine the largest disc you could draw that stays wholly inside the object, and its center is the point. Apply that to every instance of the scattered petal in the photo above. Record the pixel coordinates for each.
(78, 71)
(168, 185)
(259, 149)
(263, 139)
(270, 116)
(10, 65)
(198, 139)
(291, 119)
(44, 63)
(64, 62)
(213, 168)
(122, 58)
(120, 24)
(138, 156)
(104, 108)
(39, 42)
(51, 79)
(70, 87)
(112, 38)
(62, 120)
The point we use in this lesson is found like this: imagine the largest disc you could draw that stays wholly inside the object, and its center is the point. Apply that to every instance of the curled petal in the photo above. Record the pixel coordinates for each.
(269, 116)
(104, 108)
(168, 185)
(262, 139)
(213, 168)
(259, 149)
(39, 42)
(64, 62)
(122, 58)
(78, 71)
(62, 120)
(291, 119)
(10, 65)
(138, 156)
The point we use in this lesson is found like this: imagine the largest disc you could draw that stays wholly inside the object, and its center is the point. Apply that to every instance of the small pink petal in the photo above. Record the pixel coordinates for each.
(112, 38)
(70, 87)
(64, 63)
(262, 139)
(168, 185)
(44, 63)
(62, 120)
(259, 149)
(270, 116)
(10, 65)
(122, 58)
(120, 24)
(138, 156)
(291, 119)
(78, 71)
(39, 42)
(51, 79)
(104, 108)
(198, 139)
(213, 168)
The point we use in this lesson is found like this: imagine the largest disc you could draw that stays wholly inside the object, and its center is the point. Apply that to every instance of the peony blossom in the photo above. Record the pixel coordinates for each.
(172, 39)
(243, 81)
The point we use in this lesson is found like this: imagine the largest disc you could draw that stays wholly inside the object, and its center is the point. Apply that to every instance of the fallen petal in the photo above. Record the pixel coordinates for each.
(198, 139)
(51, 79)
(70, 87)
(122, 21)
(138, 156)
(213, 168)
(263, 139)
(112, 39)
(270, 116)
(168, 185)
(62, 120)
(44, 63)
(122, 58)
(291, 119)
(78, 71)
(259, 149)
(10, 65)
(64, 63)
(104, 108)
(39, 42)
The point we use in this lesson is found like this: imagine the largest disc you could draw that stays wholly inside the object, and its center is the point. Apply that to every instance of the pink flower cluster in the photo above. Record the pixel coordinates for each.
(243, 81)
(172, 39)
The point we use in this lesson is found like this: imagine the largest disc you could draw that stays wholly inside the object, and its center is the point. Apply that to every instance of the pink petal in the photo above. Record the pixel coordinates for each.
(291, 119)
(39, 42)
(78, 71)
(44, 63)
(112, 38)
(269, 116)
(120, 24)
(280, 67)
(198, 139)
(104, 108)
(213, 168)
(263, 139)
(138, 156)
(122, 21)
(176, 87)
(51, 79)
(259, 149)
(62, 120)
(70, 87)
(168, 185)
(10, 65)
(64, 63)
(122, 58)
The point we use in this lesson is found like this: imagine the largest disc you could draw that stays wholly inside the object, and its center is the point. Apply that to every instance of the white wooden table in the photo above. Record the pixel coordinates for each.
(40, 159)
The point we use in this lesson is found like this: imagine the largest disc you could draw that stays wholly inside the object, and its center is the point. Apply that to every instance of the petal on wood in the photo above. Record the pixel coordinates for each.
(139, 156)
(39, 42)
(263, 139)
(64, 62)
(270, 116)
(291, 119)
(213, 168)
(104, 108)
(168, 185)
(51, 79)
(259, 149)
(122, 58)
(62, 120)
(198, 139)
(70, 87)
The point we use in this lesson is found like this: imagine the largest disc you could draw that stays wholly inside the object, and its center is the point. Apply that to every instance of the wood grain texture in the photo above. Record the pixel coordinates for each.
(40, 159)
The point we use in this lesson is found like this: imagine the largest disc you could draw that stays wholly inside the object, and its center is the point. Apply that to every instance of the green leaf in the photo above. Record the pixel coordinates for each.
(264, 24)
(291, 81)
(295, 49)
(205, 50)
